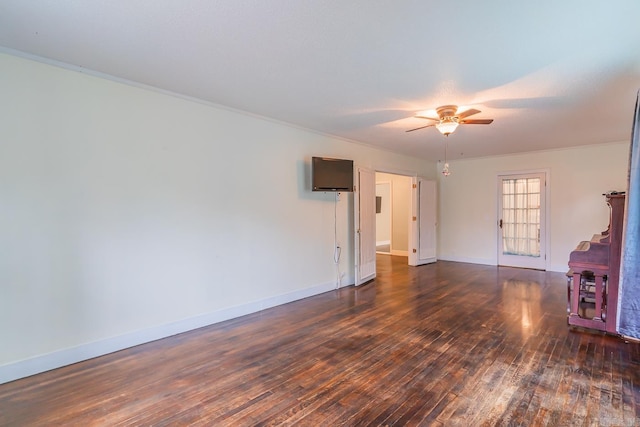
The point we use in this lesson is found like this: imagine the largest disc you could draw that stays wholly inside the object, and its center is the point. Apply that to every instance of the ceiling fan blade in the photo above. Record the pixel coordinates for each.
(428, 118)
(476, 122)
(421, 127)
(467, 113)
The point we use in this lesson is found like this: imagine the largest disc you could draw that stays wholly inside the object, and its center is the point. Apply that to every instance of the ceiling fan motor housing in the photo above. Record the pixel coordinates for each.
(447, 111)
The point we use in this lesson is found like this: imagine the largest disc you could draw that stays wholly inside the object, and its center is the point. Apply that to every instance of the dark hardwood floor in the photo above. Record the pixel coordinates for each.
(442, 344)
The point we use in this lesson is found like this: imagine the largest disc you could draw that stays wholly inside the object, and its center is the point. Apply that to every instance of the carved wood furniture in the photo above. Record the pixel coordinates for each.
(594, 274)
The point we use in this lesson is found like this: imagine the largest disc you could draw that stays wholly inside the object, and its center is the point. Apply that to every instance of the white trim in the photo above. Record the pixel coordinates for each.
(350, 280)
(542, 150)
(392, 171)
(523, 172)
(560, 268)
(132, 83)
(68, 356)
(399, 253)
(483, 261)
(383, 242)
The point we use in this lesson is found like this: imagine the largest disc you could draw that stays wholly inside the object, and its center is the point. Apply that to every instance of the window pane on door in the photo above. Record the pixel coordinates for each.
(521, 216)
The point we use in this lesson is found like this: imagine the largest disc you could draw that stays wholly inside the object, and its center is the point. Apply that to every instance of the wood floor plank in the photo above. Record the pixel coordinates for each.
(441, 344)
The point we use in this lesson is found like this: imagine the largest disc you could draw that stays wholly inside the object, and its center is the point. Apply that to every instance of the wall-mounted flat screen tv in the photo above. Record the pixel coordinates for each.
(331, 174)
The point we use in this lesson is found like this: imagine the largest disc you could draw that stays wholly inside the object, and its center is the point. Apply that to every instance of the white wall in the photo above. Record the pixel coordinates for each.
(127, 214)
(577, 209)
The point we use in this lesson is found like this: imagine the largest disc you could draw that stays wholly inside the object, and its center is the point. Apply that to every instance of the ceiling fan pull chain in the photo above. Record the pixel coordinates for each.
(445, 169)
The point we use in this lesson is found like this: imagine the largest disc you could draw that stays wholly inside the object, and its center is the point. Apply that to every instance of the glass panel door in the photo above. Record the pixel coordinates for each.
(521, 220)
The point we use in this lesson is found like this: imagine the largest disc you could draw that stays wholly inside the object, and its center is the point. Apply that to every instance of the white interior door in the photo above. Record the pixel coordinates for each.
(364, 200)
(422, 247)
(522, 220)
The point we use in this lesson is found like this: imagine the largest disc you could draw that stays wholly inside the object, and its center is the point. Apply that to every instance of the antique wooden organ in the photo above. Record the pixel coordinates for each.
(594, 273)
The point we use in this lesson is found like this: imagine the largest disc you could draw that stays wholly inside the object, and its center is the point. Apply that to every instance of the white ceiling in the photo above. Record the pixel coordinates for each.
(551, 73)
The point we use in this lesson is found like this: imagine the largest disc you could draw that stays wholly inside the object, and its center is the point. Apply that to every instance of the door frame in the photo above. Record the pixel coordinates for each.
(410, 176)
(412, 208)
(546, 191)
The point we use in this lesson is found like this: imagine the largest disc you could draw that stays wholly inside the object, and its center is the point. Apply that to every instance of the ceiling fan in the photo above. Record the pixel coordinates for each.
(448, 119)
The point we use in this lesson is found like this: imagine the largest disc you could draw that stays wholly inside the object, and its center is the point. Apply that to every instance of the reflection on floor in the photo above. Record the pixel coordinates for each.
(443, 344)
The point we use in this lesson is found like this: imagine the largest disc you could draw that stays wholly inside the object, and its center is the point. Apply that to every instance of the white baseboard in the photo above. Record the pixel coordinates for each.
(347, 281)
(399, 253)
(483, 261)
(562, 268)
(68, 356)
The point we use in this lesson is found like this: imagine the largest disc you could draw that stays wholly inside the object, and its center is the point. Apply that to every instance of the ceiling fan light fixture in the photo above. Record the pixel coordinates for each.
(447, 125)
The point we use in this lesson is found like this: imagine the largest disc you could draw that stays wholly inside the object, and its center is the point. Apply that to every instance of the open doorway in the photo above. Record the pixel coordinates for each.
(383, 217)
(412, 214)
(393, 213)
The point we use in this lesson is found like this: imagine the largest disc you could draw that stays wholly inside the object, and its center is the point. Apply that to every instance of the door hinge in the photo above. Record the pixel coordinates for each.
(415, 219)
(415, 185)
(415, 251)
